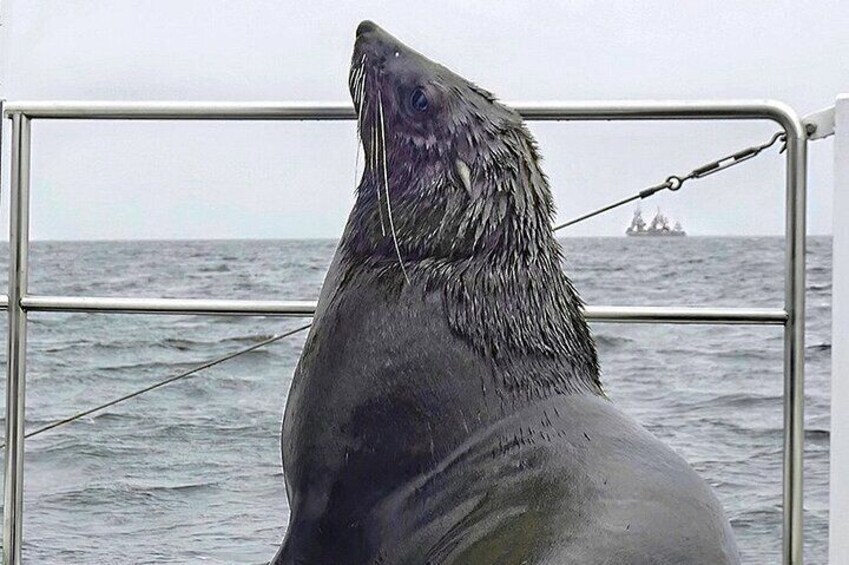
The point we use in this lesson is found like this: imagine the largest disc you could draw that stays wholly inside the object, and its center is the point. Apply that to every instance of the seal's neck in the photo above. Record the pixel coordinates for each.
(527, 317)
(500, 275)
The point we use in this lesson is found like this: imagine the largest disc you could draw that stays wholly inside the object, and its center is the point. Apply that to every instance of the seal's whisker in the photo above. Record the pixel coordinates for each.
(359, 94)
(373, 160)
(386, 185)
(358, 98)
(370, 160)
(358, 77)
(357, 85)
(374, 176)
(354, 78)
(359, 143)
(361, 104)
(362, 71)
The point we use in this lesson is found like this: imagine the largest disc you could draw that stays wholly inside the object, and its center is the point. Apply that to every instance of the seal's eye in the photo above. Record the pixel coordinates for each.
(418, 99)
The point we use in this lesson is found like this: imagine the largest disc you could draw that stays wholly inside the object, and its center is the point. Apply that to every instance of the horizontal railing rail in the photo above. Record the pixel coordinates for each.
(20, 303)
(306, 308)
(537, 111)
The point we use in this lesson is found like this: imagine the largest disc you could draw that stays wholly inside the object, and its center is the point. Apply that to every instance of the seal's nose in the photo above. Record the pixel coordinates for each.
(365, 27)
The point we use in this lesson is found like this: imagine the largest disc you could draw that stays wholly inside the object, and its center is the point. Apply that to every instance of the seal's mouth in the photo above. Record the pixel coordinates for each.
(367, 66)
(366, 81)
(372, 48)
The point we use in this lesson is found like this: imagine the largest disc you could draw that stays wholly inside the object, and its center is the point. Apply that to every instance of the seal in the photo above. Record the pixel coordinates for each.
(447, 406)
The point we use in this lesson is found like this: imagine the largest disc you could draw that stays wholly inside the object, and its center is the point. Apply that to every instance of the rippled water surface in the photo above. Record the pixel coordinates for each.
(191, 473)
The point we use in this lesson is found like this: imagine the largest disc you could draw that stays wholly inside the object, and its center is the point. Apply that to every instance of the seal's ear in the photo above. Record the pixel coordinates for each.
(465, 175)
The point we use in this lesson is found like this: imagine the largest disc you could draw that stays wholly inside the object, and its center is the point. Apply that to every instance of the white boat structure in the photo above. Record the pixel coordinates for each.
(659, 226)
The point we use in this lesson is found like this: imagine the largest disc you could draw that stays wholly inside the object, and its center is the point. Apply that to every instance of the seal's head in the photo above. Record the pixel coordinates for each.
(459, 168)
(452, 191)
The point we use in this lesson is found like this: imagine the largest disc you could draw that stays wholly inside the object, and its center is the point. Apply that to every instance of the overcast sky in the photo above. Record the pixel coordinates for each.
(152, 180)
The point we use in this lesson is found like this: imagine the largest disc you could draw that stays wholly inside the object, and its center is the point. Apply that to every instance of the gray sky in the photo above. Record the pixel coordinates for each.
(123, 180)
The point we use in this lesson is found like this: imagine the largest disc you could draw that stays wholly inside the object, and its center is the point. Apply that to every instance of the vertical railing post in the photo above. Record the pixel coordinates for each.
(794, 347)
(17, 339)
(2, 123)
(838, 535)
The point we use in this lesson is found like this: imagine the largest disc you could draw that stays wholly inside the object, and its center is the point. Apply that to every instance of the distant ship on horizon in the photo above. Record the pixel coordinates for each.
(659, 226)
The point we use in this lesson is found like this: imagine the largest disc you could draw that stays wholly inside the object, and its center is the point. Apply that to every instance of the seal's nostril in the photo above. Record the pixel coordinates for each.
(365, 27)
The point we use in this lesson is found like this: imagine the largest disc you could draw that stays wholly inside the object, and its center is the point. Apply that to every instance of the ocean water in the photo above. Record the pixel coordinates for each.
(190, 473)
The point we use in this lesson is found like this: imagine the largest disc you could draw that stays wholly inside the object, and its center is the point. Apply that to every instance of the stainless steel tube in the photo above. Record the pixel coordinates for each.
(623, 314)
(17, 339)
(794, 347)
(2, 124)
(121, 305)
(614, 110)
(680, 315)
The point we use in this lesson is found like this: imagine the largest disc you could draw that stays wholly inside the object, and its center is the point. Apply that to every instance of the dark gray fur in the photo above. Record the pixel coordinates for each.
(447, 406)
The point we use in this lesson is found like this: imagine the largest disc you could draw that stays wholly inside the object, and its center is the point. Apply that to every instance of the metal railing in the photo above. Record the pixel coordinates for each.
(19, 302)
